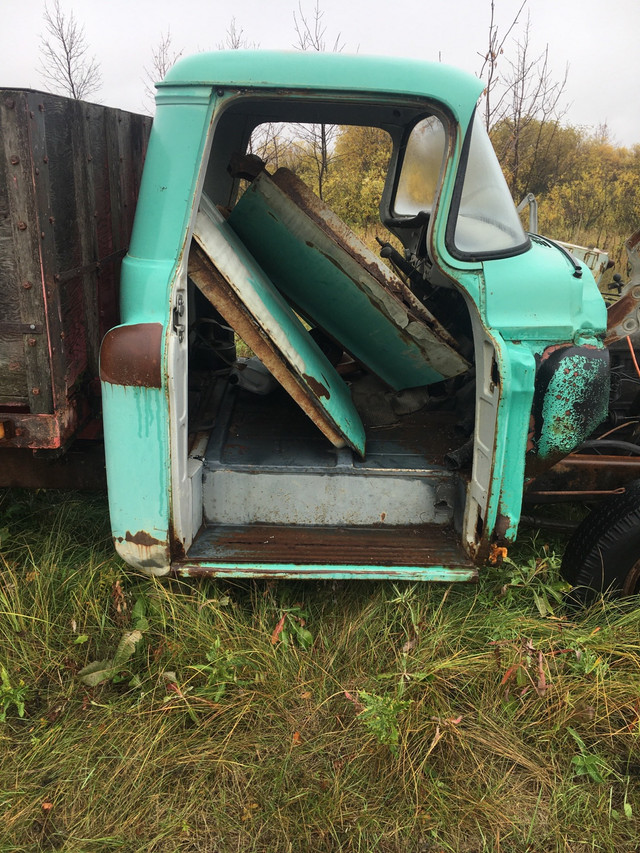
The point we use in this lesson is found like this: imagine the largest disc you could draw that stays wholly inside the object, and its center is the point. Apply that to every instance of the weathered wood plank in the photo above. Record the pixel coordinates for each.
(25, 284)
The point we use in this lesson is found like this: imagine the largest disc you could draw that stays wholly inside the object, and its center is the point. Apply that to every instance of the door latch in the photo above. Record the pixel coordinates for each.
(178, 314)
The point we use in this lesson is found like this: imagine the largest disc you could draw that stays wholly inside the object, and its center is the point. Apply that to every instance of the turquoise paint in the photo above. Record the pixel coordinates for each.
(137, 453)
(136, 420)
(526, 302)
(167, 191)
(320, 572)
(327, 295)
(337, 72)
(517, 368)
(535, 296)
(565, 423)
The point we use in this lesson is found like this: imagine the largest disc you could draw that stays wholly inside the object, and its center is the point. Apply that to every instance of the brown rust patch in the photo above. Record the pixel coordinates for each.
(582, 475)
(380, 545)
(317, 387)
(132, 356)
(142, 538)
(501, 526)
(617, 314)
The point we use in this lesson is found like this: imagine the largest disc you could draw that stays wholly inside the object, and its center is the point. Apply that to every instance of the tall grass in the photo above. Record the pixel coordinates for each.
(304, 716)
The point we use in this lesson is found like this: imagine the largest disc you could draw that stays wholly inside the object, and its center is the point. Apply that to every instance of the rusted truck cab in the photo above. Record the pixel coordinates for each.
(387, 414)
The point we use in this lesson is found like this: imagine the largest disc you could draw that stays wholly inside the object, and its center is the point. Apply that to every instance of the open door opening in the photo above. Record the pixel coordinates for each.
(324, 450)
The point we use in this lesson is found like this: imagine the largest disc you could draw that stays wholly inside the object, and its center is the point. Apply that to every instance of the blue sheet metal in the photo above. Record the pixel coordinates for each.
(329, 275)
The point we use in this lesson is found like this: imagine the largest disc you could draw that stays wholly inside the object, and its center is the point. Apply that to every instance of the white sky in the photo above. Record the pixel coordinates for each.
(599, 40)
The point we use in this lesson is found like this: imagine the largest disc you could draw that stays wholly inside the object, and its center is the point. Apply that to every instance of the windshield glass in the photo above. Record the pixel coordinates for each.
(421, 168)
(487, 221)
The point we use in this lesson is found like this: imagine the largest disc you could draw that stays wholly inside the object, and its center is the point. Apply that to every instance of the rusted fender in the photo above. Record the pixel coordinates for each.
(132, 355)
(623, 317)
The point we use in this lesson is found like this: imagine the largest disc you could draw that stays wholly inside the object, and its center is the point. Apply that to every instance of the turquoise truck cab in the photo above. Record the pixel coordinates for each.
(390, 414)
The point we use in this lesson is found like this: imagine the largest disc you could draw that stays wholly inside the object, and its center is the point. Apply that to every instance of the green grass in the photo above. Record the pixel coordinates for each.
(387, 717)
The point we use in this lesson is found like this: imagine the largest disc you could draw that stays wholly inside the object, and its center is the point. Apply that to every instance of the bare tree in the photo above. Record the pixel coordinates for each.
(318, 139)
(65, 63)
(533, 112)
(163, 57)
(522, 107)
(489, 71)
(311, 31)
(235, 39)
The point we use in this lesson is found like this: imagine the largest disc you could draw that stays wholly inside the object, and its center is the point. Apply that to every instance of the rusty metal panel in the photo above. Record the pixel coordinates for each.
(623, 317)
(581, 476)
(237, 287)
(80, 468)
(132, 355)
(426, 545)
(337, 283)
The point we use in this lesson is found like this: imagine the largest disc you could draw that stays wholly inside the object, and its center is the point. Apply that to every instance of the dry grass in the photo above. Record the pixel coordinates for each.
(515, 731)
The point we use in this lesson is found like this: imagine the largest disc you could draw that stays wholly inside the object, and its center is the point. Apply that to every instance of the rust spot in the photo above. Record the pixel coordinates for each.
(317, 387)
(132, 355)
(383, 515)
(617, 313)
(501, 526)
(142, 538)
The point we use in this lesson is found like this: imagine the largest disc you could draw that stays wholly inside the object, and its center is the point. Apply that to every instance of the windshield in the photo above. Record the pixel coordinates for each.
(487, 222)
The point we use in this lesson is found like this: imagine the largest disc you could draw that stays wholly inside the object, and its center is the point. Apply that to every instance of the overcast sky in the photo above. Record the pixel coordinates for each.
(600, 41)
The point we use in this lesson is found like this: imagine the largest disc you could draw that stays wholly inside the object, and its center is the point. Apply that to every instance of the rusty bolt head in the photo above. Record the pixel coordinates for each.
(22, 226)
(18, 432)
(51, 220)
(42, 234)
(35, 391)
(89, 158)
(30, 113)
(32, 342)
(27, 285)
(9, 103)
(41, 107)
(62, 336)
(37, 171)
(45, 159)
(14, 160)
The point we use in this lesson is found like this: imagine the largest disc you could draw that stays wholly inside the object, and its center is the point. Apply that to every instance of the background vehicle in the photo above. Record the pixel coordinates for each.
(69, 178)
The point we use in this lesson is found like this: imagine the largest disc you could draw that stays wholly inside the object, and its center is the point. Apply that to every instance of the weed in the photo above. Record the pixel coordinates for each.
(11, 698)
(380, 716)
(588, 763)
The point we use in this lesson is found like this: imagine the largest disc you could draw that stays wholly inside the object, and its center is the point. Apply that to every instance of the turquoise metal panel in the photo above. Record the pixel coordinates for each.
(446, 574)
(336, 292)
(137, 458)
(535, 296)
(517, 368)
(330, 71)
(136, 418)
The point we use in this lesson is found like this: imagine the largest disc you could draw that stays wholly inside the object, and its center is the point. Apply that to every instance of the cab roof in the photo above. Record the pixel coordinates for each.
(340, 72)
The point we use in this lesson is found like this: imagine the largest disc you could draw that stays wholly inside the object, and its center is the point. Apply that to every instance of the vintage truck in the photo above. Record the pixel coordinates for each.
(390, 416)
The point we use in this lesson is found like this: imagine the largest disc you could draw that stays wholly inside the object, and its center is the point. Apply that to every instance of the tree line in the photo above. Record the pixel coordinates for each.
(587, 186)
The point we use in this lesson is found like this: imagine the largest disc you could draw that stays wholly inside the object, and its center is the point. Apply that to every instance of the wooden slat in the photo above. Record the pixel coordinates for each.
(23, 286)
